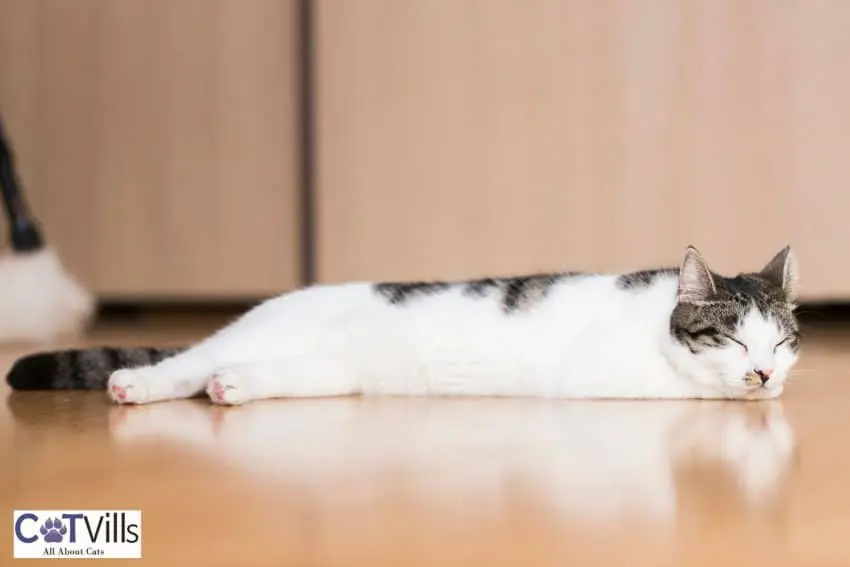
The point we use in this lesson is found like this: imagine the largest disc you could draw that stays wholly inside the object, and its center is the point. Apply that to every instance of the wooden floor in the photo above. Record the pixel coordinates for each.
(409, 482)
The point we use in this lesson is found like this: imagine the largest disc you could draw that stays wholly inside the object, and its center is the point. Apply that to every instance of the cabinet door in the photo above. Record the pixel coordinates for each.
(464, 137)
(157, 140)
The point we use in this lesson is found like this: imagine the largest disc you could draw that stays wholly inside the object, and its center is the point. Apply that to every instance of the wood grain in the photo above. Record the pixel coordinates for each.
(383, 481)
(464, 137)
(157, 140)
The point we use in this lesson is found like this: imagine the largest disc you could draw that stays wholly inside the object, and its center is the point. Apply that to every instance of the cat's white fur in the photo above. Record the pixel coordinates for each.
(589, 338)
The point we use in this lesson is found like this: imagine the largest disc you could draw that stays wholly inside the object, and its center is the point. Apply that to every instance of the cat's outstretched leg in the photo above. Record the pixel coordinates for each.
(289, 377)
(182, 376)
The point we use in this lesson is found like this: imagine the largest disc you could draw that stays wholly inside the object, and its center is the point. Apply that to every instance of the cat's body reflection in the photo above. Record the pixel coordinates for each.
(591, 460)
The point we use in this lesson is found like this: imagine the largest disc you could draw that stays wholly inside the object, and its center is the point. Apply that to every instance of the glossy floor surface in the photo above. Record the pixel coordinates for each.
(409, 482)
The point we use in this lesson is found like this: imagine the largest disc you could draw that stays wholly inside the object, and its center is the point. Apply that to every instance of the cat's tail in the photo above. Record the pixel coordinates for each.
(79, 369)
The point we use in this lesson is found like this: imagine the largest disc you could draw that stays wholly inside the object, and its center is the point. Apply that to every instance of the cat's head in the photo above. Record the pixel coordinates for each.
(740, 332)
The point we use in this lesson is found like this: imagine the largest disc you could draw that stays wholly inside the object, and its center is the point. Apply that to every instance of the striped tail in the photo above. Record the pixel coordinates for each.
(79, 369)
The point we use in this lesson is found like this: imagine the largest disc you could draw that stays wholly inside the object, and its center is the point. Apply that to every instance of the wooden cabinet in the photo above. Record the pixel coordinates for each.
(157, 140)
(463, 137)
(454, 138)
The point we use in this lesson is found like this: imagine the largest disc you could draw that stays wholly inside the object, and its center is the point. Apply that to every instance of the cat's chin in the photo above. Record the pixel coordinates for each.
(758, 393)
(741, 391)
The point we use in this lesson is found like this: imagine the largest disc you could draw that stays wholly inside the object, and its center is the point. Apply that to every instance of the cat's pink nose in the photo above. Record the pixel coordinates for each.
(764, 374)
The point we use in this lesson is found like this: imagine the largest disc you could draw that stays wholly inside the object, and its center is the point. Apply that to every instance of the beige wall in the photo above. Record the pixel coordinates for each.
(454, 137)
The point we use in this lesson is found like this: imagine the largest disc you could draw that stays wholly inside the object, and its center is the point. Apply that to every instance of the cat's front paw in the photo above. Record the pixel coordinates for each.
(227, 388)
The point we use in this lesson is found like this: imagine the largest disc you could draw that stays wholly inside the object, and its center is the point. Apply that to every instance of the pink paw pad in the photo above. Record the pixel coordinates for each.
(119, 392)
(217, 390)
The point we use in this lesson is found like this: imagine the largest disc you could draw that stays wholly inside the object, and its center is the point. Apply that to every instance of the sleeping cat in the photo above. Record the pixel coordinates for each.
(666, 333)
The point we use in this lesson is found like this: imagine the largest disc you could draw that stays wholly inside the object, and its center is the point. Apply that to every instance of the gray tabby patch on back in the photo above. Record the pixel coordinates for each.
(517, 293)
(644, 278)
(401, 293)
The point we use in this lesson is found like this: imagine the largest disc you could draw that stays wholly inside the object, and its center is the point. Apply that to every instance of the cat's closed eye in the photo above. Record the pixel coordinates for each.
(793, 337)
(734, 340)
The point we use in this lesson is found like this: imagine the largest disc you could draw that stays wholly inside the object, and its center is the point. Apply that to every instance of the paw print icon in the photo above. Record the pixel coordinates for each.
(53, 530)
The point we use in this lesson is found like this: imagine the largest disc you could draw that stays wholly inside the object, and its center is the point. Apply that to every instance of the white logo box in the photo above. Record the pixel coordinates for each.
(77, 534)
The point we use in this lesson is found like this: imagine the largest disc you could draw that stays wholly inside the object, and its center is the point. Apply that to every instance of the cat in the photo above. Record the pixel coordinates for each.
(659, 334)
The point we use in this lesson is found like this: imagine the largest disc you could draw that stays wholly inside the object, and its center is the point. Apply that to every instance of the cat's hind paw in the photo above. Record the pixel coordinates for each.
(127, 387)
(228, 389)
(144, 385)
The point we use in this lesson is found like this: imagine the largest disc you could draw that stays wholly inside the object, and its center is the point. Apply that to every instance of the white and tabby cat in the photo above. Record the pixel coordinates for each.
(669, 333)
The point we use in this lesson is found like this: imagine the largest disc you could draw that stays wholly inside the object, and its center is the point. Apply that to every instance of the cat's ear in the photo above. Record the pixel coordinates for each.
(696, 283)
(782, 271)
